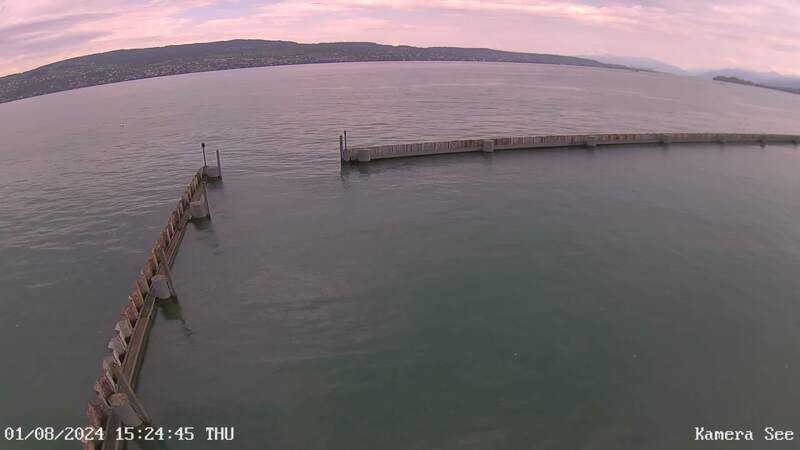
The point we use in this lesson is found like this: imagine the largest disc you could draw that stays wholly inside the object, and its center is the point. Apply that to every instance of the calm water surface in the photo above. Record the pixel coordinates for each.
(547, 299)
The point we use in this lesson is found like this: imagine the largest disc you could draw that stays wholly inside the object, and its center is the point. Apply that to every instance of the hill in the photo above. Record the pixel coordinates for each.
(771, 79)
(737, 80)
(643, 63)
(125, 65)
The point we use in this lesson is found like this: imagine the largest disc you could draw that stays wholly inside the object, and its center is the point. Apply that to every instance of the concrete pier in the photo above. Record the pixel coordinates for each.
(367, 154)
(198, 209)
(161, 287)
(363, 155)
(212, 172)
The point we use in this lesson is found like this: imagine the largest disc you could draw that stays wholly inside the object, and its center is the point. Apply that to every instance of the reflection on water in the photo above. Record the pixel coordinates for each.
(171, 310)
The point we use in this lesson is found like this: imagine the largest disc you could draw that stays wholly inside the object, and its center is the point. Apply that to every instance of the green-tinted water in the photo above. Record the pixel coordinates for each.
(559, 299)
(548, 299)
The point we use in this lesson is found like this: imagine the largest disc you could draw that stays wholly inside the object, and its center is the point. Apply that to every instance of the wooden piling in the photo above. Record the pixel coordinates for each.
(137, 297)
(124, 328)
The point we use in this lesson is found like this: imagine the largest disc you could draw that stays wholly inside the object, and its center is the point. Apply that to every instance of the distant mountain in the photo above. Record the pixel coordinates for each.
(736, 80)
(642, 63)
(768, 79)
(772, 79)
(124, 65)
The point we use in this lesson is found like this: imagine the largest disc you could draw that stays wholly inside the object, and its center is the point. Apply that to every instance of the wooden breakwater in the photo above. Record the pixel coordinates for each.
(367, 154)
(114, 403)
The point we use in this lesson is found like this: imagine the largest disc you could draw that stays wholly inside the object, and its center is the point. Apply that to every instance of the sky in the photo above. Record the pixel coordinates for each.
(758, 35)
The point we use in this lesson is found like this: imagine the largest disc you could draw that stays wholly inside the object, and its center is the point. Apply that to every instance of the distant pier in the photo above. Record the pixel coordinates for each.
(367, 154)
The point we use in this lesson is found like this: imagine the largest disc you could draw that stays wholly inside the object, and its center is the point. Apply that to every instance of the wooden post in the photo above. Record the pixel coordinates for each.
(137, 292)
(136, 299)
(141, 281)
(345, 139)
(165, 266)
(341, 147)
(203, 144)
(118, 348)
(219, 166)
(124, 328)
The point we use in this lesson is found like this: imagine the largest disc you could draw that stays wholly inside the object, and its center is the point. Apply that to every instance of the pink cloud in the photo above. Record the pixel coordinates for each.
(757, 35)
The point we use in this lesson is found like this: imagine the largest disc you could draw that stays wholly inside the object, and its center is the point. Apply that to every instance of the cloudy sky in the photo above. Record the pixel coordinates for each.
(754, 34)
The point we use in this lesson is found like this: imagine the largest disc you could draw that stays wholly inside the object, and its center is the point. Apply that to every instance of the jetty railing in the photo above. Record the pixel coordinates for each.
(115, 403)
(367, 154)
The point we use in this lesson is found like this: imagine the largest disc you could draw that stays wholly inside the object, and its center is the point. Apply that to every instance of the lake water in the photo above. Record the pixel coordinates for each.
(569, 299)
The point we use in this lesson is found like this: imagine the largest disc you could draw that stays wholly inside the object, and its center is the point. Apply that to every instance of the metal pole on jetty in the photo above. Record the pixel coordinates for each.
(203, 145)
(205, 197)
(219, 166)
